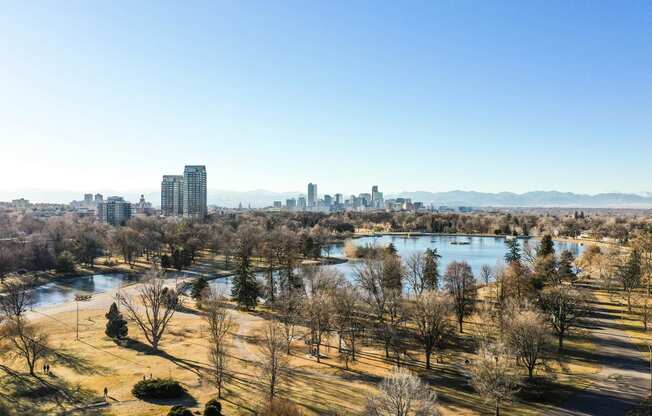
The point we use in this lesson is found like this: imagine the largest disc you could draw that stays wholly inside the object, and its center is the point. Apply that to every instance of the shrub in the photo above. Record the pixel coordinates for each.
(350, 249)
(179, 411)
(212, 411)
(213, 408)
(214, 403)
(65, 262)
(158, 388)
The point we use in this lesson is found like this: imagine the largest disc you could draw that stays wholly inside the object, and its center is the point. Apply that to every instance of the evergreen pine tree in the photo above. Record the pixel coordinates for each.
(392, 272)
(513, 254)
(116, 327)
(431, 269)
(198, 287)
(546, 247)
(245, 287)
(565, 268)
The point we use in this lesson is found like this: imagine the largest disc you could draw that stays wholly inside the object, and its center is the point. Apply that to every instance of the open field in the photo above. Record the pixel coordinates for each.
(95, 362)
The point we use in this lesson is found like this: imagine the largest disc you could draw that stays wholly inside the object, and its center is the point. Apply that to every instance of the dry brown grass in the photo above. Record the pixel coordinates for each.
(326, 388)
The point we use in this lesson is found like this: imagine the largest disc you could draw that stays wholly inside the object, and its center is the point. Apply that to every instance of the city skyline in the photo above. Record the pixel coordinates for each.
(421, 102)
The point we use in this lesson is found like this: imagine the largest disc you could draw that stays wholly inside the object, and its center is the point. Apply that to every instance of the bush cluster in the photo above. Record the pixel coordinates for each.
(180, 411)
(158, 388)
(213, 408)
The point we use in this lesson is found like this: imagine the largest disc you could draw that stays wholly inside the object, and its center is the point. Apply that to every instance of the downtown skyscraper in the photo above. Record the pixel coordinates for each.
(194, 191)
(185, 195)
(172, 195)
(312, 195)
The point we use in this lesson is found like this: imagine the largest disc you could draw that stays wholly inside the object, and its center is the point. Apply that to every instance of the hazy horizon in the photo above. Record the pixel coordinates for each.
(261, 197)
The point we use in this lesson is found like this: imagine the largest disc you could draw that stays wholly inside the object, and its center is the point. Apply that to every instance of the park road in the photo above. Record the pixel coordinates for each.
(624, 379)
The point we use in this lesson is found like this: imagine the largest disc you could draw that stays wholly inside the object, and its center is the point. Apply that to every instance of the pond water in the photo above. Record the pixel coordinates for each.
(65, 289)
(475, 250)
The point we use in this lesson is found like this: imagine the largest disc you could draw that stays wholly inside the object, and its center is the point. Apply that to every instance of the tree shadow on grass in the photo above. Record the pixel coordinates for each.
(76, 363)
(33, 395)
(190, 365)
(190, 311)
(186, 400)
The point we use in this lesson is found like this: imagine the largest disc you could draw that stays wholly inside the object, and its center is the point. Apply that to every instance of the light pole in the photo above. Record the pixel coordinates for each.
(77, 302)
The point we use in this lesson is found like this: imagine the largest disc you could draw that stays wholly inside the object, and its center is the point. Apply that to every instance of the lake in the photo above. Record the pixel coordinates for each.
(64, 290)
(478, 251)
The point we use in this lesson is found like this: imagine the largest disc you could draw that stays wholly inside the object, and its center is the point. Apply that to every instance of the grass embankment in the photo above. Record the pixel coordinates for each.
(95, 362)
(326, 388)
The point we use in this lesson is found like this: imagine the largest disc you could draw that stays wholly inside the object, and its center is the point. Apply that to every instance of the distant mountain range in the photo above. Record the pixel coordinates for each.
(262, 198)
(532, 199)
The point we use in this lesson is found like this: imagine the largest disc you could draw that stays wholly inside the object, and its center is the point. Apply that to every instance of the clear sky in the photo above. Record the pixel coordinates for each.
(434, 95)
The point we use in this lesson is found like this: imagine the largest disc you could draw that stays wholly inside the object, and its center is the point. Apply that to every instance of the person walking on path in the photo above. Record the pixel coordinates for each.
(106, 394)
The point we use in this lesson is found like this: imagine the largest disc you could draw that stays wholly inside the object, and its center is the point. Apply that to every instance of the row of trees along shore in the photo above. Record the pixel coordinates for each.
(63, 243)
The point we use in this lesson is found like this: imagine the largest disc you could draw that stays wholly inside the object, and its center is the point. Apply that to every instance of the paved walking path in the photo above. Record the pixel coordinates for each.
(624, 378)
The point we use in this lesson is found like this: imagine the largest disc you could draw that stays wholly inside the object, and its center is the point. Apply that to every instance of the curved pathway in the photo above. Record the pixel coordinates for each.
(624, 379)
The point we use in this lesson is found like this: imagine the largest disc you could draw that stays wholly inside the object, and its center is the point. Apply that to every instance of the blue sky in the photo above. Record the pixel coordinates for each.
(437, 95)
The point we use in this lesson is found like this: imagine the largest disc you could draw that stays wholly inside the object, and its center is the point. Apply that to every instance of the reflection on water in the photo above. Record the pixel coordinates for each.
(65, 289)
(474, 250)
(478, 251)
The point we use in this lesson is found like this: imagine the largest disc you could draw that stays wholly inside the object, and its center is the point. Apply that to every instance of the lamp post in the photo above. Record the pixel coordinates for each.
(77, 302)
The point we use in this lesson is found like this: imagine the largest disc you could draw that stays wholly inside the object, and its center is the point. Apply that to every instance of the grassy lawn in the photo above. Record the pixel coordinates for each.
(94, 362)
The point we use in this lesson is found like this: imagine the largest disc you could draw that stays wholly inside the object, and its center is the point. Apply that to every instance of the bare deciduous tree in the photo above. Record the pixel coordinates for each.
(220, 323)
(493, 376)
(460, 283)
(415, 273)
(8, 260)
(26, 341)
(274, 361)
(347, 308)
(17, 298)
(125, 241)
(318, 306)
(486, 273)
(383, 300)
(402, 394)
(153, 307)
(528, 338)
(564, 307)
(289, 306)
(643, 305)
(430, 313)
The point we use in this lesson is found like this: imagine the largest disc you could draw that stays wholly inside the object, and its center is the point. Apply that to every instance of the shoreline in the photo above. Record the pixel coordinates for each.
(579, 241)
(186, 277)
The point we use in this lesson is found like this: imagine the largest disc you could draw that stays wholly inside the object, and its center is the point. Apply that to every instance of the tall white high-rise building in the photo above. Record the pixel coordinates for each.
(172, 195)
(194, 191)
(312, 194)
(376, 197)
